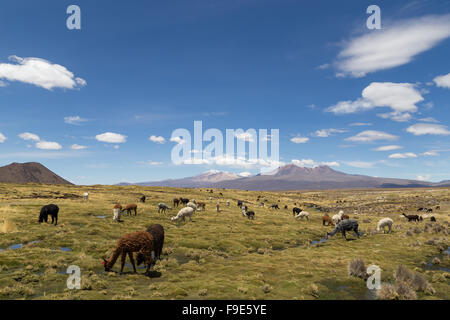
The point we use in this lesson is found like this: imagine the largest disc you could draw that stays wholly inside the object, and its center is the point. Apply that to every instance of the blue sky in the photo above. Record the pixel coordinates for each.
(336, 90)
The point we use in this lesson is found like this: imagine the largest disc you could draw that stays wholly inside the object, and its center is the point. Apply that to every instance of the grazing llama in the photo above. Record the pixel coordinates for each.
(383, 223)
(51, 209)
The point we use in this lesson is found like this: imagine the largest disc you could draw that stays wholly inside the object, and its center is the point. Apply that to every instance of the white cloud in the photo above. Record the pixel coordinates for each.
(157, 139)
(387, 148)
(443, 81)
(48, 145)
(323, 66)
(312, 163)
(39, 72)
(29, 136)
(427, 128)
(402, 155)
(77, 147)
(2, 138)
(75, 120)
(111, 137)
(400, 97)
(177, 140)
(300, 139)
(238, 162)
(372, 135)
(360, 164)
(429, 119)
(430, 154)
(392, 46)
(425, 177)
(324, 133)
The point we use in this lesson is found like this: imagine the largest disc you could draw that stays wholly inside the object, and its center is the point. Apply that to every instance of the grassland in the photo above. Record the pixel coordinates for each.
(220, 255)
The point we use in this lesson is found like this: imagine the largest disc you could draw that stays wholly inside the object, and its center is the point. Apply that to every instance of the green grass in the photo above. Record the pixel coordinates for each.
(218, 255)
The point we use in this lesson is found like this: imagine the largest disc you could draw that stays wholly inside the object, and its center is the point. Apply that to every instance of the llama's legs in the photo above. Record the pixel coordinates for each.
(130, 255)
(124, 257)
(356, 231)
(56, 220)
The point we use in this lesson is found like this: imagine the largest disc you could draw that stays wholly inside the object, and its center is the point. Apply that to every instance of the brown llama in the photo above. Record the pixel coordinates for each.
(141, 242)
(327, 220)
(344, 216)
(131, 207)
(157, 232)
(412, 217)
(118, 206)
(176, 202)
(201, 205)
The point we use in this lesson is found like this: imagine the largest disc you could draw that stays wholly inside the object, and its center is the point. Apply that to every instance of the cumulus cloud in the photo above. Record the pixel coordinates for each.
(77, 147)
(387, 148)
(178, 140)
(443, 81)
(245, 174)
(39, 72)
(402, 155)
(425, 177)
(428, 128)
(324, 133)
(371, 136)
(392, 46)
(150, 163)
(430, 154)
(360, 164)
(299, 139)
(360, 124)
(429, 119)
(29, 136)
(2, 138)
(238, 162)
(157, 139)
(400, 97)
(75, 120)
(111, 137)
(48, 145)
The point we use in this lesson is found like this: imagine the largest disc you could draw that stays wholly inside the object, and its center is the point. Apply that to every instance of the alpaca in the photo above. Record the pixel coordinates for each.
(217, 207)
(228, 203)
(183, 213)
(302, 215)
(176, 202)
(343, 226)
(326, 219)
(274, 206)
(433, 219)
(131, 207)
(51, 209)
(412, 217)
(157, 232)
(285, 207)
(201, 205)
(344, 216)
(142, 199)
(162, 207)
(296, 210)
(184, 201)
(251, 215)
(239, 203)
(141, 242)
(192, 205)
(86, 196)
(438, 207)
(383, 223)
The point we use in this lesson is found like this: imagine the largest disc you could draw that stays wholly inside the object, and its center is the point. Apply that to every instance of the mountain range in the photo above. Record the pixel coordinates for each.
(291, 177)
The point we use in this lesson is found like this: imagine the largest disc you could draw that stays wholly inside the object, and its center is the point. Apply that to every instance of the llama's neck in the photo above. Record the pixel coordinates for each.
(111, 261)
(332, 233)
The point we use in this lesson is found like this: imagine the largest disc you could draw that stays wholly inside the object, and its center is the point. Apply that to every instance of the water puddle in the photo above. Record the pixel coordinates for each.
(100, 217)
(318, 241)
(67, 249)
(437, 267)
(16, 246)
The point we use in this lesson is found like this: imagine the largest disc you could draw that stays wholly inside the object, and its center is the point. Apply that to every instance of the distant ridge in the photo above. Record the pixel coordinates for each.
(30, 172)
(291, 177)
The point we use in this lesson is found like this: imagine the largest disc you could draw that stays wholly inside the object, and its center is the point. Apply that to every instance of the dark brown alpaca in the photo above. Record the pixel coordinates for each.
(141, 242)
(176, 202)
(412, 217)
(157, 232)
(131, 207)
(344, 216)
(201, 205)
(118, 206)
(327, 220)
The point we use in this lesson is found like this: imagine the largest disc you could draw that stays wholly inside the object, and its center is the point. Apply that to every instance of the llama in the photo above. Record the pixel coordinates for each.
(251, 215)
(239, 203)
(433, 219)
(141, 242)
(86, 196)
(184, 201)
(218, 207)
(117, 212)
(285, 207)
(131, 207)
(201, 205)
(302, 215)
(383, 223)
(412, 217)
(51, 209)
(157, 232)
(343, 226)
(344, 216)
(228, 203)
(142, 199)
(326, 219)
(192, 205)
(296, 210)
(183, 213)
(162, 207)
(274, 206)
(176, 202)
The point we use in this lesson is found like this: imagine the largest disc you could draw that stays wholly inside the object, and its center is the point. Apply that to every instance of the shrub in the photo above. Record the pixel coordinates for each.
(387, 292)
(357, 268)
(404, 291)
